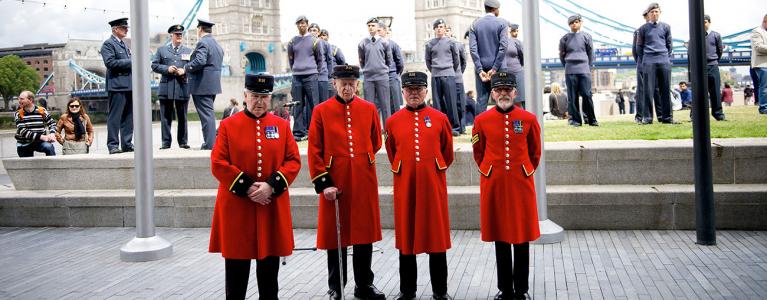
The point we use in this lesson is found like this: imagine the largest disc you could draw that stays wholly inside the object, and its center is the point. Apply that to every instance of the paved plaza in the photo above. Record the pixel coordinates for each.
(84, 263)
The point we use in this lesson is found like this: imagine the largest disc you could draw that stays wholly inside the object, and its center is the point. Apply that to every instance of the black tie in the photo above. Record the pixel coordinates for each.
(373, 39)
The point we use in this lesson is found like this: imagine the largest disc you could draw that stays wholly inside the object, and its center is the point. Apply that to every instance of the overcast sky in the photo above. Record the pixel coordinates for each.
(53, 23)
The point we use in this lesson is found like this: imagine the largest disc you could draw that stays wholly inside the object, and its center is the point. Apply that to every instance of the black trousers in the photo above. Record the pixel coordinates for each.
(169, 108)
(657, 75)
(362, 260)
(237, 273)
(443, 92)
(580, 85)
(512, 281)
(714, 93)
(120, 120)
(408, 273)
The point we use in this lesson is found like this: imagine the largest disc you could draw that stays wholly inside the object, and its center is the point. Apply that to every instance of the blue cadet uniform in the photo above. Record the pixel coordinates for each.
(323, 78)
(442, 60)
(204, 73)
(117, 59)
(714, 51)
(375, 58)
(654, 45)
(514, 63)
(306, 60)
(460, 91)
(576, 52)
(395, 69)
(334, 57)
(488, 39)
(173, 91)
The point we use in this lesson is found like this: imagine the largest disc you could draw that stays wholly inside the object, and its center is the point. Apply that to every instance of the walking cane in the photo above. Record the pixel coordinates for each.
(340, 260)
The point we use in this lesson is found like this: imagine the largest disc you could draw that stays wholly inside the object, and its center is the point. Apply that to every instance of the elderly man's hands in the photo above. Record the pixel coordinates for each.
(260, 192)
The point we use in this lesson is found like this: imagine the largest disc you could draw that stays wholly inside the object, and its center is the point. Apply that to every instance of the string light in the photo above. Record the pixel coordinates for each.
(87, 9)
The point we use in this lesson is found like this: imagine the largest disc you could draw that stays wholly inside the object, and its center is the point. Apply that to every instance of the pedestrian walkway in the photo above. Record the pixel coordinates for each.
(78, 263)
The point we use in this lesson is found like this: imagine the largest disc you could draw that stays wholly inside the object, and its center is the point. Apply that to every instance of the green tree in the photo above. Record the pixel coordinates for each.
(16, 76)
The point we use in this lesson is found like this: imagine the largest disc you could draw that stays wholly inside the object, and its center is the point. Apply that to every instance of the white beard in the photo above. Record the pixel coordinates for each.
(504, 105)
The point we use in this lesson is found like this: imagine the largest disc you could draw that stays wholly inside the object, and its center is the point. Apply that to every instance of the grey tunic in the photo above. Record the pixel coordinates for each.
(305, 55)
(654, 43)
(514, 56)
(576, 52)
(713, 48)
(441, 57)
(375, 58)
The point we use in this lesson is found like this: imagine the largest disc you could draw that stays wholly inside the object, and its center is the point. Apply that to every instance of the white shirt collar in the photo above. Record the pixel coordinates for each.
(490, 14)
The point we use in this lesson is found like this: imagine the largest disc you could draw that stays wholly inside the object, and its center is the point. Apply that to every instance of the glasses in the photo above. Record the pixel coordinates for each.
(74, 106)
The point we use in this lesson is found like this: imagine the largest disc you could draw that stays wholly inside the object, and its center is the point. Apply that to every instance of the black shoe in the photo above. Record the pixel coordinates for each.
(595, 123)
(128, 149)
(455, 133)
(442, 297)
(575, 124)
(184, 146)
(334, 295)
(368, 292)
(115, 151)
(645, 122)
(524, 296)
(408, 296)
(672, 122)
(502, 296)
(164, 147)
(722, 118)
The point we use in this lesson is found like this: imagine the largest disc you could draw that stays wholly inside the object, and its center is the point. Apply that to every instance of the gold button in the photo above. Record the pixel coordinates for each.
(416, 147)
(258, 133)
(259, 161)
(350, 131)
(416, 113)
(348, 113)
(352, 155)
(416, 124)
(416, 141)
(258, 127)
(417, 154)
(507, 148)
(416, 118)
(348, 119)
(349, 125)
(507, 122)
(416, 130)
(258, 121)
(258, 140)
(507, 161)
(259, 168)
(507, 116)
(507, 135)
(417, 159)
(507, 142)
(347, 107)
(242, 181)
(259, 154)
(259, 174)
(259, 147)
(350, 144)
(350, 137)
(507, 155)
(416, 135)
(351, 150)
(507, 168)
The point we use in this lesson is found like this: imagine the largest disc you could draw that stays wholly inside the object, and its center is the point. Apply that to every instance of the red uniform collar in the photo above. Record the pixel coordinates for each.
(498, 109)
(344, 102)
(420, 107)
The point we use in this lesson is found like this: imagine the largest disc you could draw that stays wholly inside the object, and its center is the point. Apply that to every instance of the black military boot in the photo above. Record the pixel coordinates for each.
(442, 297)
(369, 292)
(408, 296)
(334, 295)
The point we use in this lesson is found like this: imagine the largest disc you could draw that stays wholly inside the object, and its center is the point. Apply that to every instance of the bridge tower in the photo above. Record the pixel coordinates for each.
(249, 32)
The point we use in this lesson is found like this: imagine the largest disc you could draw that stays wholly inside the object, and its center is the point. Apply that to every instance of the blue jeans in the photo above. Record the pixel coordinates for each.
(37, 146)
(761, 89)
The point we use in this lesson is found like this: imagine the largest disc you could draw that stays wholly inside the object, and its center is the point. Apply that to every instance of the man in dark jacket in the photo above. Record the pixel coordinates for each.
(117, 59)
(204, 70)
(173, 91)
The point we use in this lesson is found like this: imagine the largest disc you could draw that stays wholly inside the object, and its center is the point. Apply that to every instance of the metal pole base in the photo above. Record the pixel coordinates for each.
(550, 233)
(146, 249)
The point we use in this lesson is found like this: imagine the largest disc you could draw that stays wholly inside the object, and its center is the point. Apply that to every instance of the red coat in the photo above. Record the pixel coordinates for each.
(420, 147)
(507, 149)
(252, 149)
(343, 141)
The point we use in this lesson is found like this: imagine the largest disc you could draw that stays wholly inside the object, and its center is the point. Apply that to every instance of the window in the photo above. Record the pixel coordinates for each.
(268, 3)
(245, 2)
(37, 69)
(45, 61)
(78, 52)
(257, 23)
(246, 26)
(45, 69)
(37, 62)
(29, 63)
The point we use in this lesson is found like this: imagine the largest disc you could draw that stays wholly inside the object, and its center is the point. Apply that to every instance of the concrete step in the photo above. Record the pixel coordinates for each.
(739, 206)
(735, 161)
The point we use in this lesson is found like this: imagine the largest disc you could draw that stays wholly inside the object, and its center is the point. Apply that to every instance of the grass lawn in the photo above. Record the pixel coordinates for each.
(742, 122)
